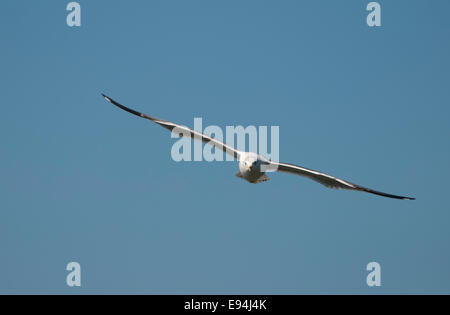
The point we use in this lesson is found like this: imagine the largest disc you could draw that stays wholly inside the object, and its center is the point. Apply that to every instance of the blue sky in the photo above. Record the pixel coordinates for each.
(83, 181)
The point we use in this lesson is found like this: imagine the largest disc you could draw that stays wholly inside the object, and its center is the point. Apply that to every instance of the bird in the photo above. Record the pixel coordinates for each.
(252, 166)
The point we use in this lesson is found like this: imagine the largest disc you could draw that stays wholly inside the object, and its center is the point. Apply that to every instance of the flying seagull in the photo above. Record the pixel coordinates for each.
(252, 166)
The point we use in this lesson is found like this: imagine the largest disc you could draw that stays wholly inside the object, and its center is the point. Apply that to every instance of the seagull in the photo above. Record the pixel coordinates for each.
(252, 166)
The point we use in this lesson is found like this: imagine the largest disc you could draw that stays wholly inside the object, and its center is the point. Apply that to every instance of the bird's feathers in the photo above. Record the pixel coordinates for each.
(322, 178)
(181, 130)
(328, 180)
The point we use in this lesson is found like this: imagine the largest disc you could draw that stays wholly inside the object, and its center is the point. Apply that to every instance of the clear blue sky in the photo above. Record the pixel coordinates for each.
(83, 181)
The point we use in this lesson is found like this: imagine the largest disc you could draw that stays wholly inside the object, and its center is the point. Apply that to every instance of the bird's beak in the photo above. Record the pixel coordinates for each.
(250, 168)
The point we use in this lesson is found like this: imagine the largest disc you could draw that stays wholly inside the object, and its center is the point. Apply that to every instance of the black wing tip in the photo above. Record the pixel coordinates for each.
(132, 111)
(393, 196)
(397, 197)
(379, 193)
(109, 99)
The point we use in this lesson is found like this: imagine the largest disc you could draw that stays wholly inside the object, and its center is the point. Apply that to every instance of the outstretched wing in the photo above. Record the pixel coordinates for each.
(328, 180)
(182, 130)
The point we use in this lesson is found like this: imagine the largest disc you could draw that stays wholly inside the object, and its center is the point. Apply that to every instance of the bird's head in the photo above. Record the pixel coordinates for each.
(250, 163)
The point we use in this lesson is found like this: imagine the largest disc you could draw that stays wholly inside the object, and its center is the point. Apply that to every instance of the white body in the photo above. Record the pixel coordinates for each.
(249, 168)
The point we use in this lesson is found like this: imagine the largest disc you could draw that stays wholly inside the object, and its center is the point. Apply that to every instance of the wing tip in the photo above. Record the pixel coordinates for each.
(379, 193)
(400, 197)
(132, 111)
(107, 98)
